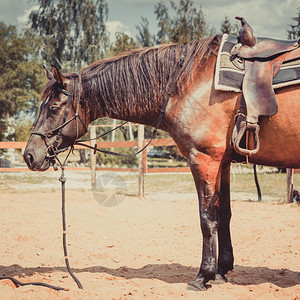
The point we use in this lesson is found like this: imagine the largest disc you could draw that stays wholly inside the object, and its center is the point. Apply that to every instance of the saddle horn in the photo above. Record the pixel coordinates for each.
(246, 36)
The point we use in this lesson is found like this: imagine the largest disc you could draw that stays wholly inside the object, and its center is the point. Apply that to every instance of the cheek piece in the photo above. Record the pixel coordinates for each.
(52, 151)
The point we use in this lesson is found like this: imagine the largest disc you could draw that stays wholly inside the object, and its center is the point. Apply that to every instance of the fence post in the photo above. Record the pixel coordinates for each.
(130, 132)
(144, 158)
(141, 131)
(289, 182)
(93, 157)
(113, 134)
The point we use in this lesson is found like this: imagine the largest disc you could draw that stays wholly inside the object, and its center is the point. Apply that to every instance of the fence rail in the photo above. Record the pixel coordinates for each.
(107, 145)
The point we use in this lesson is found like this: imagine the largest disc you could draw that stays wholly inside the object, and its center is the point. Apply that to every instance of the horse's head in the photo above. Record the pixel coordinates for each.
(60, 122)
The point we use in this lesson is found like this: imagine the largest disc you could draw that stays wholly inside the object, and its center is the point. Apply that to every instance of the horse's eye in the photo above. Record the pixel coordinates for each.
(54, 110)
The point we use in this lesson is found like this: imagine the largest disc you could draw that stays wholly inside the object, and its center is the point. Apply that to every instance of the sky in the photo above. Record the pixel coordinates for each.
(268, 18)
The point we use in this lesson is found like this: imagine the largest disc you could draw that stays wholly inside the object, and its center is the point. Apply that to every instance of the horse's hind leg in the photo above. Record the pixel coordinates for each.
(225, 259)
(206, 173)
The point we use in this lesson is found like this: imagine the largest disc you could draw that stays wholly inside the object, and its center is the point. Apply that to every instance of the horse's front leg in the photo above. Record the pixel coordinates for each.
(206, 173)
(225, 259)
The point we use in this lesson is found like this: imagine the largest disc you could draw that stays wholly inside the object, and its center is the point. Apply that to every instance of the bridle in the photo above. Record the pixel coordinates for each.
(52, 151)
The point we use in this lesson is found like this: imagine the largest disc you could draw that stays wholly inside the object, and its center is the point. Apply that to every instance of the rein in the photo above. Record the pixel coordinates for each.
(159, 119)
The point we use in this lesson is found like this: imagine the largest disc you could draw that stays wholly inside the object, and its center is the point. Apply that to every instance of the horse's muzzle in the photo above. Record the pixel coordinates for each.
(35, 161)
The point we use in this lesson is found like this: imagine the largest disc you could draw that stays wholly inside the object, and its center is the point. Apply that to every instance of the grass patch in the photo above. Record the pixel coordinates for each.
(162, 162)
(28, 178)
(170, 183)
(272, 184)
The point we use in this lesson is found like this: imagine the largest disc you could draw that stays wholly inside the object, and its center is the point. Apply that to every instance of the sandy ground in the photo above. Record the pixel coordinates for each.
(142, 248)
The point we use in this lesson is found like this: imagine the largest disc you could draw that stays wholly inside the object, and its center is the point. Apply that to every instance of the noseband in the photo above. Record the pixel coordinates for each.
(52, 149)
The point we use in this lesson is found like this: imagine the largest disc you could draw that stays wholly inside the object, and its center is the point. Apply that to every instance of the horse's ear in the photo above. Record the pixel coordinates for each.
(47, 73)
(59, 77)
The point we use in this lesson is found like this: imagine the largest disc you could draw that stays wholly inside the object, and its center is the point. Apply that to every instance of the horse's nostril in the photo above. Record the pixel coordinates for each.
(30, 158)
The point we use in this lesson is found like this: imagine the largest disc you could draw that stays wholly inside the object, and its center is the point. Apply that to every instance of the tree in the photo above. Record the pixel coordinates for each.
(123, 43)
(187, 24)
(21, 77)
(162, 15)
(294, 32)
(227, 27)
(73, 31)
(144, 37)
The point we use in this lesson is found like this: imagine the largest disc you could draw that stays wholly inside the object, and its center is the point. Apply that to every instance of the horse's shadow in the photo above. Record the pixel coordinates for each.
(173, 273)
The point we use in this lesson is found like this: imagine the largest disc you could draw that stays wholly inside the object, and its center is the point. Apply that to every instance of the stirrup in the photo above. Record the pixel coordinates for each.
(240, 128)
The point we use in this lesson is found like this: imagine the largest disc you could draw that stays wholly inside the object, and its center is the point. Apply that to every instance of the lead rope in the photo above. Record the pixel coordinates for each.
(63, 180)
(18, 283)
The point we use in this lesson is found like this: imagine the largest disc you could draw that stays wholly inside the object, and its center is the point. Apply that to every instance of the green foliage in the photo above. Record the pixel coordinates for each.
(22, 131)
(185, 23)
(177, 23)
(123, 43)
(144, 37)
(227, 27)
(294, 31)
(73, 31)
(162, 15)
(20, 73)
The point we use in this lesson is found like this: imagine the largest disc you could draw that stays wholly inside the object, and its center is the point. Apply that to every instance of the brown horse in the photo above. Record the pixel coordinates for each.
(200, 119)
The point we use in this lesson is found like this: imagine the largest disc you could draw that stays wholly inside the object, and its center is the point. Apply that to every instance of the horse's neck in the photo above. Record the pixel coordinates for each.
(135, 115)
(129, 89)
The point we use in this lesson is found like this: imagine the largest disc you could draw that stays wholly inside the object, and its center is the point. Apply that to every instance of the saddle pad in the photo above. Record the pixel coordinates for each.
(229, 77)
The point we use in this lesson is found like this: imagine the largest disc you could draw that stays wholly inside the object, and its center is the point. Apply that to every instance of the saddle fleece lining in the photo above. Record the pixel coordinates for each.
(230, 78)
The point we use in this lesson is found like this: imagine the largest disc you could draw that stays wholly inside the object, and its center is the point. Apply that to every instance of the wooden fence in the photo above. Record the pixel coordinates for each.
(142, 159)
(108, 145)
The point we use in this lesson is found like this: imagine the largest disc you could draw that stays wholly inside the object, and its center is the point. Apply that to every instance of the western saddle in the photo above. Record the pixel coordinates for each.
(262, 59)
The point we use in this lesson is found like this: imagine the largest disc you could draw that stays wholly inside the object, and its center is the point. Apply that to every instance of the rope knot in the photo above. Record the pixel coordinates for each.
(62, 179)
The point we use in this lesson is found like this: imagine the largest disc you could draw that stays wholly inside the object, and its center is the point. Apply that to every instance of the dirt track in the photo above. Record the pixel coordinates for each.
(142, 248)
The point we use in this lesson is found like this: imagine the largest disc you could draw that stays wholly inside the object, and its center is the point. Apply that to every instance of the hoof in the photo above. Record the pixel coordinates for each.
(220, 279)
(197, 285)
